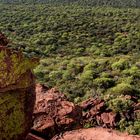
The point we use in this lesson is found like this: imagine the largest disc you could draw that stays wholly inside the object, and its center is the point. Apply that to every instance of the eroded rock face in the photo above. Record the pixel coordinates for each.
(53, 113)
(94, 134)
(17, 93)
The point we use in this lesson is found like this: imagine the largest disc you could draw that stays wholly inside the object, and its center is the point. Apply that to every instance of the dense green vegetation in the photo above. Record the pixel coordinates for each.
(85, 51)
(114, 3)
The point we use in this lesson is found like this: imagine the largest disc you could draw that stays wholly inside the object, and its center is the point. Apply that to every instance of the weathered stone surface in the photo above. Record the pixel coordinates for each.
(17, 93)
(53, 113)
(95, 134)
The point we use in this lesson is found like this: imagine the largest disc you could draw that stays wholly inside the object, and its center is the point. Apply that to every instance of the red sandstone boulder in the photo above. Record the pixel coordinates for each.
(94, 134)
(53, 113)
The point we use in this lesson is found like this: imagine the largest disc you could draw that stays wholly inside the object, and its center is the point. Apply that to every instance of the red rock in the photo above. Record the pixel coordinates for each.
(108, 119)
(53, 113)
(88, 104)
(95, 111)
(94, 134)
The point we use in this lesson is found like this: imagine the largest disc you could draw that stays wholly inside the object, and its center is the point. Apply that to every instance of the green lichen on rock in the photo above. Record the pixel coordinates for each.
(13, 65)
(16, 94)
(12, 118)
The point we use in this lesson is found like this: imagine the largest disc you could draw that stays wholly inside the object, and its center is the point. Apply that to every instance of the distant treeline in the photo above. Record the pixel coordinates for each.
(113, 3)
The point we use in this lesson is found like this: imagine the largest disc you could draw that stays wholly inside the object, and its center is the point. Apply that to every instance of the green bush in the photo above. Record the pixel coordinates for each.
(120, 104)
(122, 89)
(121, 64)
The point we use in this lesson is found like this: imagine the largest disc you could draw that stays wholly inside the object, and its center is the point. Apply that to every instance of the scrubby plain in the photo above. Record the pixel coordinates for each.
(84, 51)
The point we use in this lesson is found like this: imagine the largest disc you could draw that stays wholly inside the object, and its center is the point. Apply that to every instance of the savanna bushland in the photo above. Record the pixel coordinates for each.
(87, 48)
